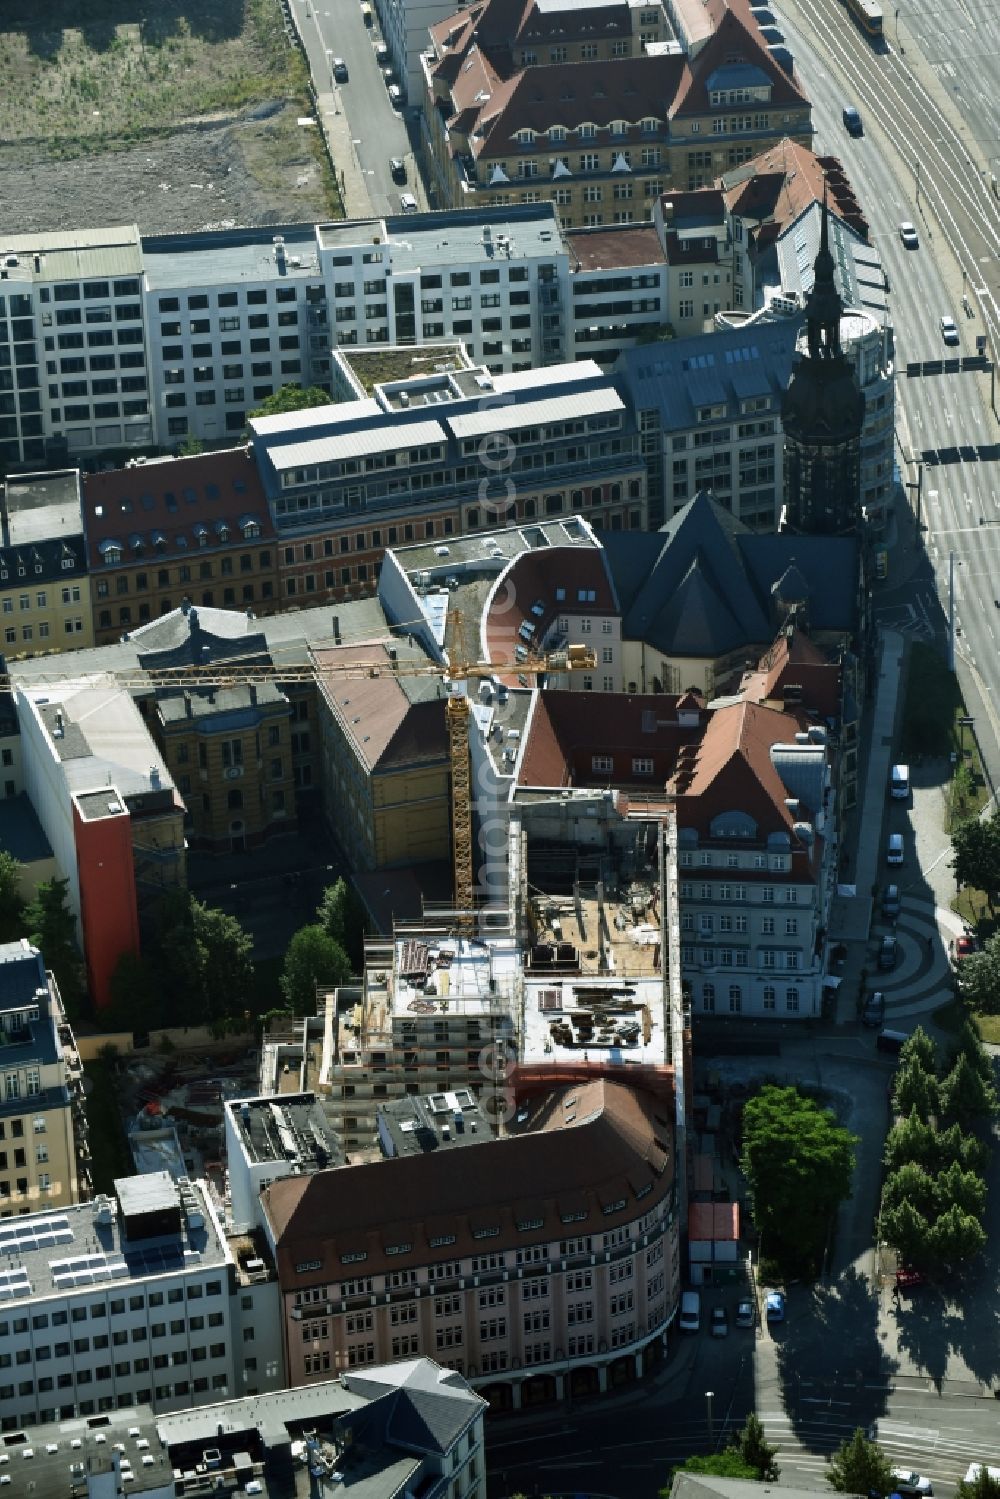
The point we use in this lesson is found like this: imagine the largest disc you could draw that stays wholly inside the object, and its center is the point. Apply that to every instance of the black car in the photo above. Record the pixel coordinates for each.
(852, 121)
(874, 1011)
(397, 169)
(888, 953)
(891, 903)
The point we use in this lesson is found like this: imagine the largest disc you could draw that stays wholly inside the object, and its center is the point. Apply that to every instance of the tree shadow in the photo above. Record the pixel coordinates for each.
(829, 1349)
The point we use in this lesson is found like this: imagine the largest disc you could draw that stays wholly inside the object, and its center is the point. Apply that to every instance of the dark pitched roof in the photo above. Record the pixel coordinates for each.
(700, 557)
(827, 564)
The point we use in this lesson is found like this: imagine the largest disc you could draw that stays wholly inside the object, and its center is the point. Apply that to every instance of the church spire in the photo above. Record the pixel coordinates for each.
(823, 305)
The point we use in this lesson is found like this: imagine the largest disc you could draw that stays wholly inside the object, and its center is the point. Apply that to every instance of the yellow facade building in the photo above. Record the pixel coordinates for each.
(44, 582)
(384, 746)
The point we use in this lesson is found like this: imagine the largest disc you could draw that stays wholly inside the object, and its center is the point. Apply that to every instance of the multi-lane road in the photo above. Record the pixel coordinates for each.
(914, 163)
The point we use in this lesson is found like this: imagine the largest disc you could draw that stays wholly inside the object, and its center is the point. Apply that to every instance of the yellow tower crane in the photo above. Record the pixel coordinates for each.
(459, 668)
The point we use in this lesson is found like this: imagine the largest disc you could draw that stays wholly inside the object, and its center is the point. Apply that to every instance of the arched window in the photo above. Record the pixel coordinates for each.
(735, 999)
(708, 997)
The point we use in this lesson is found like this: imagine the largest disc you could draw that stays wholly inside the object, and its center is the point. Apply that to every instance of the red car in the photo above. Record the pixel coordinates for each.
(907, 1279)
(965, 944)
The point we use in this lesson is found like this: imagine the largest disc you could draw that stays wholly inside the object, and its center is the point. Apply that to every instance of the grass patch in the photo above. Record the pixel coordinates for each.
(108, 1143)
(953, 1015)
(85, 74)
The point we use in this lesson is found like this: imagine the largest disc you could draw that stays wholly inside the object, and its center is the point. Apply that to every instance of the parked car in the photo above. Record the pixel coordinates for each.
(774, 1306)
(397, 169)
(966, 944)
(408, 203)
(908, 1279)
(745, 1314)
(690, 1317)
(894, 849)
(873, 1013)
(340, 70)
(888, 953)
(949, 330)
(852, 121)
(891, 903)
(720, 1322)
(395, 96)
(908, 235)
(381, 54)
(909, 1483)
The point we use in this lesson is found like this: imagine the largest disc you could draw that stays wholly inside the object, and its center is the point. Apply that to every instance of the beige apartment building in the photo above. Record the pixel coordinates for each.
(44, 1154)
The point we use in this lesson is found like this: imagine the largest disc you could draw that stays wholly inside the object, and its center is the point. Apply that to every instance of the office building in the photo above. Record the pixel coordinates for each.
(548, 1256)
(44, 1149)
(117, 1302)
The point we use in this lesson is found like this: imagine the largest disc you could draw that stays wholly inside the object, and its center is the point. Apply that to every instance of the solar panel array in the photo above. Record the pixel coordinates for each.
(86, 1270)
(14, 1284)
(18, 1235)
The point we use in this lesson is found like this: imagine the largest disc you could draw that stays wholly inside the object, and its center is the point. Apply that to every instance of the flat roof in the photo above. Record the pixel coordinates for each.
(371, 367)
(611, 248)
(88, 1442)
(292, 1128)
(432, 968)
(446, 1120)
(441, 558)
(554, 408)
(70, 1251)
(422, 242)
(354, 440)
(156, 1192)
(98, 734)
(43, 507)
(230, 255)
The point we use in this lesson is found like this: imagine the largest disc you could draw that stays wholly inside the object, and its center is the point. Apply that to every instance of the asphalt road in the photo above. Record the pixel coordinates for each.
(377, 130)
(945, 422)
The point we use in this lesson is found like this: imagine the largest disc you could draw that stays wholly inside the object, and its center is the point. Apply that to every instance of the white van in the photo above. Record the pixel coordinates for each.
(899, 782)
(690, 1318)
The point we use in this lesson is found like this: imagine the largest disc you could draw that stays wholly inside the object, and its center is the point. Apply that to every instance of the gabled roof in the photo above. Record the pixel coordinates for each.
(734, 770)
(422, 1406)
(392, 720)
(736, 43)
(827, 564)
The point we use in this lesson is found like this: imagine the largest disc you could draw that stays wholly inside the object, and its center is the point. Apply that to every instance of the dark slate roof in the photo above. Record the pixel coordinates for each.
(703, 584)
(829, 568)
(424, 1408)
(21, 974)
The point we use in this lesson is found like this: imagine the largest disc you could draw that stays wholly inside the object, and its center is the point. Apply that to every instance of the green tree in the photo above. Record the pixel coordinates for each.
(955, 1237)
(312, 958)
(860, 1467)
(976, 848)
(912, 1184)
(291, 398)
(798, 1163)
(910, 1139)
(191, 447)
(981, 1486)
(957, 1188)
(756, 1451)
(906, 1229)
(341, 916)
(970, 1153)
(979, 978)
(966, 1096)
(961, 791)
(51, 927)
(225, 961)
(11, 899)
(969, 1044)
(915, 1089)
(918, 1047)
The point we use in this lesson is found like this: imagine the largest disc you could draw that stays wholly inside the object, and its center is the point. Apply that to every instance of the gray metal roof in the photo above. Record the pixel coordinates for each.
(230, 256)
(353, 441)
(857, 266)
(555, 408)
(710, 369)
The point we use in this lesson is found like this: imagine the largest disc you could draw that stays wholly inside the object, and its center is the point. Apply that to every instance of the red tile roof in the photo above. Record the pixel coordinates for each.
(733, 769)
(567, 730)
(168, 498)
(795, 662)
(619, 1143)
(736, 38)
(379, 714)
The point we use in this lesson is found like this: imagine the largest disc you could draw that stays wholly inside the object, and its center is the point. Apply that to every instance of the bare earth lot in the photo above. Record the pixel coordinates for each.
(182, 120)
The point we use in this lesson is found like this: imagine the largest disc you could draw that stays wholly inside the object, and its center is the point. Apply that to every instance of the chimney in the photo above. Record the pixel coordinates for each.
(335, 629)
(192, 615)
(154, 778)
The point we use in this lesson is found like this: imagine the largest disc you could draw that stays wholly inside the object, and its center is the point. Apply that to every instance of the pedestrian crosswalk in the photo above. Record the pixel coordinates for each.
(942, 1454)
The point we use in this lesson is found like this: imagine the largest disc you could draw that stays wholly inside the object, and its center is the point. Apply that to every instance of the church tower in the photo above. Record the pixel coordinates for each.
(822, 413)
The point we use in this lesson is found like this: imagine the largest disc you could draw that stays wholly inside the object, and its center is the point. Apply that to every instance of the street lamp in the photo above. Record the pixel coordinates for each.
(709, 1396)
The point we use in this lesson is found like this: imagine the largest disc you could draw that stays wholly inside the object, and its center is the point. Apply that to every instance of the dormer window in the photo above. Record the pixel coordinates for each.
(587, 131)
(525, 137)
(112, 552)
(650, 125)
(251, 530)
(619, 127)
(557, 133)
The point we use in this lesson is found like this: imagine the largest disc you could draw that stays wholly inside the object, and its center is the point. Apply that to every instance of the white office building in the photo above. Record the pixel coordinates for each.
(121, 1301)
